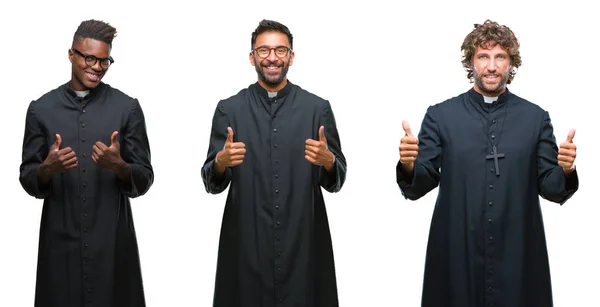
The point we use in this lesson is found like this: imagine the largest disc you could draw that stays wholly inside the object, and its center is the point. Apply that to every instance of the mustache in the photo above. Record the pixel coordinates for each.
(265, 63)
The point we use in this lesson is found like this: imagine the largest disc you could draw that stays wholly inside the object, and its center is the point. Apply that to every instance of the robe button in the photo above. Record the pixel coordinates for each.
(493, 136)
(83, 199)
(491, 186)
(274, 130)
(490, 204)
(84, 111)
(82, 139)
(276, 191)
(85, 184)
(277, 207)
(278, 254)
(492, 169)
(85, 230)
(494, 121)
(278, 269)
(278, 223)
(490, 238)
(278, 239)
(83, 125)
(490, 288)
(84, 214)
(276, 176)
(89, 290)
(275, 145)
(86, 246)
(276, 161)
(489, 221)
(83, 154)
(83, 170)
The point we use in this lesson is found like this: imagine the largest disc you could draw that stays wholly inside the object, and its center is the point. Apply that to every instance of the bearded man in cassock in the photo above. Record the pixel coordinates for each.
(86, 152)
(493, 154)
(276, 146)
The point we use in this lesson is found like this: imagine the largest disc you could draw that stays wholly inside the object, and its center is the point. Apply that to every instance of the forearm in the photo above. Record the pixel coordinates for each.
(123, 171)
(417, 183)
(557, 186)
(43, 174)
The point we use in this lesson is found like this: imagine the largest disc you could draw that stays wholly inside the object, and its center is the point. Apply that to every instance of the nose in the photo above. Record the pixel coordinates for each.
(492, 65)
(272, 56)
(97, 66)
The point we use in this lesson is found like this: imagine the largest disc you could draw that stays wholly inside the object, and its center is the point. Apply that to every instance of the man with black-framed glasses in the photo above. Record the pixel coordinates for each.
(276, 146)
(86, 153)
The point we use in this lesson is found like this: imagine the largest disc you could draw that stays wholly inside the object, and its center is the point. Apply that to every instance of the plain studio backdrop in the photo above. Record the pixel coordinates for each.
(376, 62)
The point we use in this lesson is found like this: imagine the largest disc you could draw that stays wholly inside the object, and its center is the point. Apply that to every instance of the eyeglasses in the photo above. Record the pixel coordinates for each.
(280, 51)
(91, 60)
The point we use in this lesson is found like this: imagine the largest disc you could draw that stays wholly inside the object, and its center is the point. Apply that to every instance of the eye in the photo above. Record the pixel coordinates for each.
(281, 50)
(90, 58)
(262, 50)
(482, 57)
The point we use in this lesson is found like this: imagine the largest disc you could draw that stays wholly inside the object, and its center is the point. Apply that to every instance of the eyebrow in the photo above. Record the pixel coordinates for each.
(266, 46)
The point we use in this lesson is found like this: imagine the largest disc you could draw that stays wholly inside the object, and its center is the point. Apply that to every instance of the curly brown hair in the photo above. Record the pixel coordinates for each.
(485, 33)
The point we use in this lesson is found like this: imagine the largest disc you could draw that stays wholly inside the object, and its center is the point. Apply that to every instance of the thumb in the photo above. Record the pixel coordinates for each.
(571, 135)
(113, 138)
(322, 137)
(58, 141)
(406, 128)
(229, 135)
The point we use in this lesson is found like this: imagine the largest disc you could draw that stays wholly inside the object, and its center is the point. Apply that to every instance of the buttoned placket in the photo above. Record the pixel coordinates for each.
(85, 149)
(489, 225)
(277, 205)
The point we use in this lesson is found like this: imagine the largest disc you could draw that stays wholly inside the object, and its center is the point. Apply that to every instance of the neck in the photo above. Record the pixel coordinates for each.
(489, 94)
(272, 88)
(76, 86)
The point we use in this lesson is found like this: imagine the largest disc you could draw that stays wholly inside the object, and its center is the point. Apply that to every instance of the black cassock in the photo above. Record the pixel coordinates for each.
(487, 244)
(275, 246)
(88, 254)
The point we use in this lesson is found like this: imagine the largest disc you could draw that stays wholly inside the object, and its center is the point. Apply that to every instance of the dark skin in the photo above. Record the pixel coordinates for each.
(57, 161)
(85, 77)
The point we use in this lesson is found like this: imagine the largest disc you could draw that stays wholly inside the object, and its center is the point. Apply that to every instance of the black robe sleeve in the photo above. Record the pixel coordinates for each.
(214, 183)
(35, 151)
(334, 180)
(426, 174)
(553, 184)
(135, 150)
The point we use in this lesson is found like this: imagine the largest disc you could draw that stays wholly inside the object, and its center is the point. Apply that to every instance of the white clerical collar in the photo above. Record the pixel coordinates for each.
(272, 94)
(82, 94)
(488, 99)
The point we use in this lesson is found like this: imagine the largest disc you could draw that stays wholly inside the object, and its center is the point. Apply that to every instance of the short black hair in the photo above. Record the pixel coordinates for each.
(270, 25)
(97, 30)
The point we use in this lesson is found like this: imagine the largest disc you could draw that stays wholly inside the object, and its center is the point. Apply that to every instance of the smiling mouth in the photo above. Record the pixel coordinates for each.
(272, 68)
(94, 77)
(491, 77)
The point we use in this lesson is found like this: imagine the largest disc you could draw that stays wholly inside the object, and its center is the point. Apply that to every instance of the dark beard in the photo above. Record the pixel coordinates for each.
(265, 79)
(481, 84)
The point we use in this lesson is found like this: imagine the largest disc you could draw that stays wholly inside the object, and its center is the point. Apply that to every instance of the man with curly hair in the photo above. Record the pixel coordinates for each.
(86, 153)
(492, 153)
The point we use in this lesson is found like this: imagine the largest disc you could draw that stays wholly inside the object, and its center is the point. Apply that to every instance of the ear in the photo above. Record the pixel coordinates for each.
(71, 55)
(291, 61)
(251, 58)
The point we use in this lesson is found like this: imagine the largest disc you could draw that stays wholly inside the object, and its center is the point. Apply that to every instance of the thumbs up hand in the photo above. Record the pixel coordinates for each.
(567, 153)
(59, 160)
(232, 153)
(317, 152)
(409, 148)
(108, 157)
